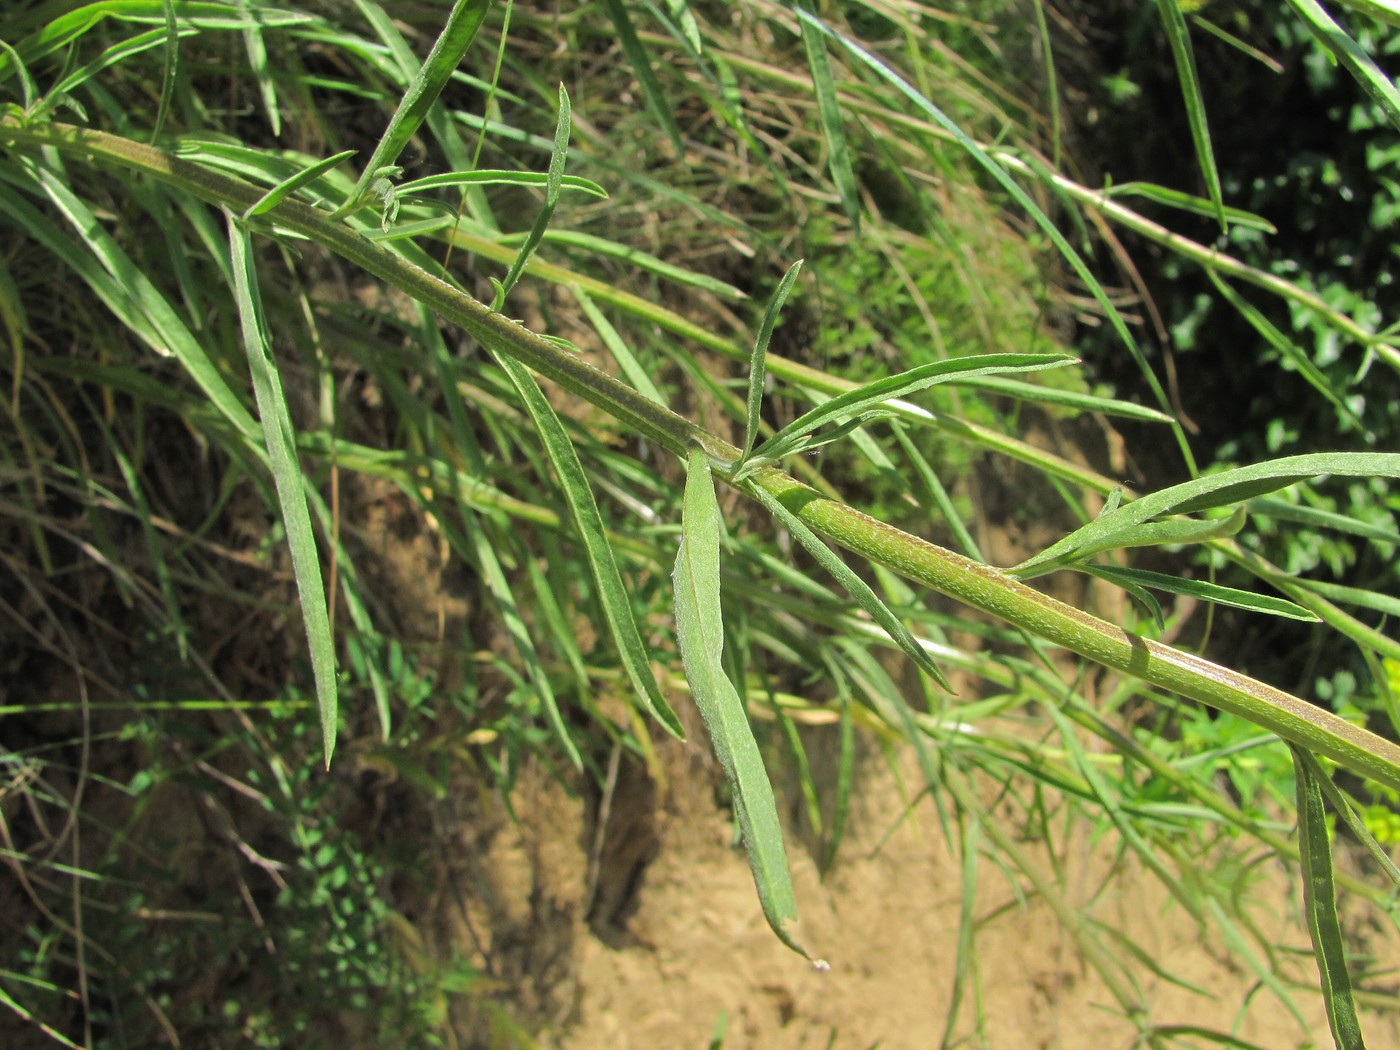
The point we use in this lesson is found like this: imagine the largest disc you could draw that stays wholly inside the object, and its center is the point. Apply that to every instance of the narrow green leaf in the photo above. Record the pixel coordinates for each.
(1286, 347)
(653, 95)
(627, 361)
(853, 402)
(498, 178)
(280, 439)
(1387, 11)
(1207, 592)
(1388, 604)
(557, 159)
(1216, 490)
(757, 370)
(1077, 400)
(1349, 53)
(700, 633)
(854, 585)
(829, 111)
(634, 256)
(612, 593)
(117, 53)
(169, 67)
(1180, 38)
(1188, 203)
(1315, 518)
(126, 290)
(1320, 903)
(257, 64)
(685, 20)
(290, 185)
(442, 60)
(1173, 532)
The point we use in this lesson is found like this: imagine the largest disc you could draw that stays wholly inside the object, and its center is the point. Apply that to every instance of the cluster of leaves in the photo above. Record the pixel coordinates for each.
(561, 507)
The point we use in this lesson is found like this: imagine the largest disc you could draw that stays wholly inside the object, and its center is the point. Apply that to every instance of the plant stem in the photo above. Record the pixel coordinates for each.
(972, 583)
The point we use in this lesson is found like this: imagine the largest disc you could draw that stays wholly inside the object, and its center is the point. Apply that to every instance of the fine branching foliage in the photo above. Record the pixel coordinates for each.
(680, 335)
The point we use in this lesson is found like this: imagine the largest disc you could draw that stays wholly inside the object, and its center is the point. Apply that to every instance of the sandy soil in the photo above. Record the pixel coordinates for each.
(677, 953)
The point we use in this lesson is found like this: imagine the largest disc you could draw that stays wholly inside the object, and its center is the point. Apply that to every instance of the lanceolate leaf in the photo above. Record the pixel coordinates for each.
(1216, 490)
(1209, 592)
(853, 402)
(1349, 53)
(1320, 903)
(1176, 531)
(612, 593)
(280, 439)
(700, 632)
(553, 182)
(447, 52)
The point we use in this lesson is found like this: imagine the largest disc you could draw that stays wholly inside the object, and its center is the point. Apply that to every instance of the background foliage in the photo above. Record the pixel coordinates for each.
(213, 420)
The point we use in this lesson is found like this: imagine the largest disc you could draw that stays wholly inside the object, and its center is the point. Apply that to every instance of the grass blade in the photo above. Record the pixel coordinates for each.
(447, 52)
(1023, 199)
(653, 95)
(627, 361)
(1320, 903)
(757, 371)
(612, 593)
(1180, 38)
(700, 632)
(858, 588)
(829, 110)
(286, 473)
(1348, 52)
(257, 65)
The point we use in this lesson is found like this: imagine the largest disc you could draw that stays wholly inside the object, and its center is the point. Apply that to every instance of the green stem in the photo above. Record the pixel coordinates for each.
(967, 581)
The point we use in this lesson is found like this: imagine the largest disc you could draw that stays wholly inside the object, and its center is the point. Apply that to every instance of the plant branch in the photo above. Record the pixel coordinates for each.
(972, 583)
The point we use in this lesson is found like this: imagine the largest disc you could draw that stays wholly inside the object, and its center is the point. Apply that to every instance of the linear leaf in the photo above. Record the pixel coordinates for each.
(757, 371)
(653, 94)
(1187, 202)
(427, 84)
(1173, 532)
(1349, 53)
(700, 632)
(1075, 399)
(1022, 198)
(291, 184)
(829, 110)
(853, 402)
(280, 439)
(1208, 592)
(1286, 348)
(1180, 38)
(1320, 903)
(612, 593)
(627, 361)
(488, 177)
(257, 64)
(1216, 490)
(553, 181)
